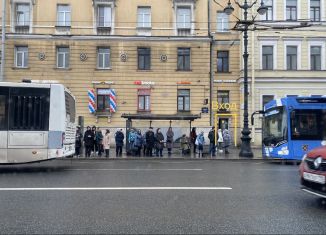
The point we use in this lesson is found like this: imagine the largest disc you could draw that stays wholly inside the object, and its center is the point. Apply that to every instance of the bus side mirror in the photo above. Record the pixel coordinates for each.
(254, 113)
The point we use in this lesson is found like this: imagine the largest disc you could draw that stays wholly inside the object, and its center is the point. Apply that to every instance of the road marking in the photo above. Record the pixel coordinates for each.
(114, 188)
(131, 169)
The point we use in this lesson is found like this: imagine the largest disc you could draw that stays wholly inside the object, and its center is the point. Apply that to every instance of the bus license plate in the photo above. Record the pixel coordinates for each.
(314, 178)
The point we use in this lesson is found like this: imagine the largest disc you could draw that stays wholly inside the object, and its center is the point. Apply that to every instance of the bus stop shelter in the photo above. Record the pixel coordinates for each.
(155, 117)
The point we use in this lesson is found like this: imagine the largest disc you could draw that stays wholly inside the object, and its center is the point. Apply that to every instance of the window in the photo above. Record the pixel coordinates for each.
(307, 124)
(103, 100)
(103, 58)
(22, 14)
(4, 91)
(144, 17)
(104, 16)
(183, 59)
(291, 57)
(315, 10)
(144, 99)
(269, 13)
(223, 97)
(183, 100)
(223, 61)
(222, 22)
(29, 109)
(63, 15)
(21, 56)
(267, 57)
(62, 57)
(70, 107)
(291, 9)
(266, 99)
(315, 57)
(183, 17)
(144, 58)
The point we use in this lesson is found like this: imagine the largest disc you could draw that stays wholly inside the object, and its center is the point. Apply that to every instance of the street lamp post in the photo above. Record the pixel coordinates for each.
(244, 26)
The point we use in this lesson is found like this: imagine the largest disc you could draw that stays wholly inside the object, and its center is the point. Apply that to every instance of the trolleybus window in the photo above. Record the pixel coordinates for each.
(29, 109)
(70, 107)
(308, 124)
(3, 112)
(275, 127)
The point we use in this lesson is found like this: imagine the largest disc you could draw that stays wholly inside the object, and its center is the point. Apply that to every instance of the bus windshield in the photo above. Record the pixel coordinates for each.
(275, 127)
(308, 124)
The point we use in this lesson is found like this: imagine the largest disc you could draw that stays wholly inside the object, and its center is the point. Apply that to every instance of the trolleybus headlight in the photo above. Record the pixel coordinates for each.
(304, 157)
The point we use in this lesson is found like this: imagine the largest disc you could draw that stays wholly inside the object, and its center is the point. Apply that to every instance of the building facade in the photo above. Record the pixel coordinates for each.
(287, 54)
(136, 57)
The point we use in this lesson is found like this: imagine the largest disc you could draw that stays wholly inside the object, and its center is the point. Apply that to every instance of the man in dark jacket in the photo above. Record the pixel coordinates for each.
(211, 137)
(78, 142)
(89, 141)
(119, 137)
(150, 140)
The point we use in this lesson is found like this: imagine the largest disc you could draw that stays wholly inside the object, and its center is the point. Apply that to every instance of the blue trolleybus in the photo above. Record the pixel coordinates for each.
(292, 126)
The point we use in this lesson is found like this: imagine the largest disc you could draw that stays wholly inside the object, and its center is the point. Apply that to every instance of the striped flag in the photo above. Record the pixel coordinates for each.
(91, 101)
(113, 101)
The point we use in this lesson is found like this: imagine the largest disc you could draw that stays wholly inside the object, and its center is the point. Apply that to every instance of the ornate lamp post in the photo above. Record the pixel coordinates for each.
(244, 26)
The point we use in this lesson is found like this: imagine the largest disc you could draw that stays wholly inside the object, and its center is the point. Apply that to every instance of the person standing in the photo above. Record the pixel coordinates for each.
(150, 141)
(226, 140)
(131, 140)
(184, 145)
(89, 141)
(211, 137)
(200, 141)
(119, 137)
(159, 143)
(107, 142)
(193, 137)
(78, 141)
(138, 143)
(94, 150)
(144, 144)
(99, 141)
(220, 140)
(169, 140)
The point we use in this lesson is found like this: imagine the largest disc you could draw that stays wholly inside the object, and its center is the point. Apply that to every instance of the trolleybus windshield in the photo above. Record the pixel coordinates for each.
(275, 126)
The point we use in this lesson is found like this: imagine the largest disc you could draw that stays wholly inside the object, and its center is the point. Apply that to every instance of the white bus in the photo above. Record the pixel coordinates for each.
(37, 122)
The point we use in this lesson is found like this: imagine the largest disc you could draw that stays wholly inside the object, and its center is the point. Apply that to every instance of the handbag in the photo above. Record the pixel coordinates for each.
(196, 142)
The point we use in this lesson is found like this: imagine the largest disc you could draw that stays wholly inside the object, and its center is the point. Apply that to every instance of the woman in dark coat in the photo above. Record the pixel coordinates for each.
(193, 137)
(169, 140)
(150, 141)
(89, 139)
(159, 142)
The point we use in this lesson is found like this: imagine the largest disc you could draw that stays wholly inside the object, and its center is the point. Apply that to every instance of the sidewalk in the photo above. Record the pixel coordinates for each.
(234, 155)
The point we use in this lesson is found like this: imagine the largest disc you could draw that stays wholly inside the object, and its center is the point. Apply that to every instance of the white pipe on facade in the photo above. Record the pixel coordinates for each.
(3, 40)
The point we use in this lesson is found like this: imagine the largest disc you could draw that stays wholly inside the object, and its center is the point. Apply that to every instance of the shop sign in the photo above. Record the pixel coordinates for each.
(146, 83)
(223, 106)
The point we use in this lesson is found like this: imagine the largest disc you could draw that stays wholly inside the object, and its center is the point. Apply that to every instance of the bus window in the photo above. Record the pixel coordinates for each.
(307, 125)
(70, 107)
(3, 112)
(29, 109)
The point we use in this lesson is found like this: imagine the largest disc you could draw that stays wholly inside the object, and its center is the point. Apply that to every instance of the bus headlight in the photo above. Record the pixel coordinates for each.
(304, 157)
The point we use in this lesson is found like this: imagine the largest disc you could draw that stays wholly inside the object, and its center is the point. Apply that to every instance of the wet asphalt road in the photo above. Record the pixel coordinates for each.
(252, 197)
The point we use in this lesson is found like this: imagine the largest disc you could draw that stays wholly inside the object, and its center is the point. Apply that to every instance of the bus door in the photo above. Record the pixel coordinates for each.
(4, 97)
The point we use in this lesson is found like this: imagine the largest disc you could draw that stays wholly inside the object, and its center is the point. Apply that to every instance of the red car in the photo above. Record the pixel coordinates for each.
(313, 172)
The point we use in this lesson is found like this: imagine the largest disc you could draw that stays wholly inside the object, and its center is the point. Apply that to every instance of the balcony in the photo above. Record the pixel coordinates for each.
(104, 30)
(22, 29)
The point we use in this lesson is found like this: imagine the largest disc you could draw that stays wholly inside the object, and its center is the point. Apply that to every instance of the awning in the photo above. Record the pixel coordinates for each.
(187, 117)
